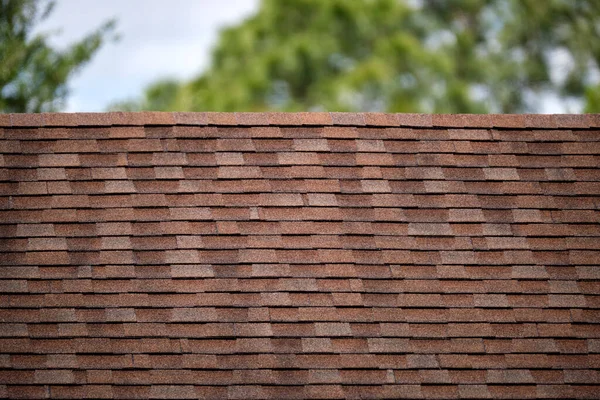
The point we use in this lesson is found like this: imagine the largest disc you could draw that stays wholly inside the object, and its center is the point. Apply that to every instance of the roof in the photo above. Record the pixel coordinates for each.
(308, 255)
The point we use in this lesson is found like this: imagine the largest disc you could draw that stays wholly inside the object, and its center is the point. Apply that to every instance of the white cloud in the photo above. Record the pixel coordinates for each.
(159, 38)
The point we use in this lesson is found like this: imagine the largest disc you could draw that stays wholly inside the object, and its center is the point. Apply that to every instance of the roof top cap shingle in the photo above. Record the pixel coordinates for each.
(501, 121)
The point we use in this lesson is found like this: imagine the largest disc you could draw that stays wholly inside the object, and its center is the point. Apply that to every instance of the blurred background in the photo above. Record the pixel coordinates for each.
(442, 56)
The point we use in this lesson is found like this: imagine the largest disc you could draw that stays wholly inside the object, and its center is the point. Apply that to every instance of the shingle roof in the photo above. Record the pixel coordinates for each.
(309, 255)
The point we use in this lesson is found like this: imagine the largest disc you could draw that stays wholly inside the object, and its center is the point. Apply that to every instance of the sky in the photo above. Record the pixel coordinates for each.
(159, 38)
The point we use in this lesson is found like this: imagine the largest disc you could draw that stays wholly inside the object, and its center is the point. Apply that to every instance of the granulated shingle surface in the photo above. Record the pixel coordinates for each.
(240, 256)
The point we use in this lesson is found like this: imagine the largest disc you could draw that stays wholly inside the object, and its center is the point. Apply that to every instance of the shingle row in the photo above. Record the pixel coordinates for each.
(300, 119)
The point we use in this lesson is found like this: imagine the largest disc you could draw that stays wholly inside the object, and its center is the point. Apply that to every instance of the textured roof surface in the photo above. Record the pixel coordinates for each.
(310, 255)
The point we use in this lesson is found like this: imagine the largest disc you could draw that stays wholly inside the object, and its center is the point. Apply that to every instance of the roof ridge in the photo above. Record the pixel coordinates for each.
(409, 120)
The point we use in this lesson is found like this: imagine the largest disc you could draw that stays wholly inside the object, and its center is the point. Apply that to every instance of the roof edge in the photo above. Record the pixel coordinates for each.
(504, 121)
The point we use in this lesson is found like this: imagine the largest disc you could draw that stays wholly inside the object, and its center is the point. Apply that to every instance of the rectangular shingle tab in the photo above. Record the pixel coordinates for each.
(299, 255)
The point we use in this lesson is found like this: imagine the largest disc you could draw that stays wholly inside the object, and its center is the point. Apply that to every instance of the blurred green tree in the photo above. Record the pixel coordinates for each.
(33, 75)
(471, 56)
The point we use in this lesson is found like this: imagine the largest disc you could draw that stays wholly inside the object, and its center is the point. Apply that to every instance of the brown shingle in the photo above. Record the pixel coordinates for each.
(416, 120)
(315, 118)
(380, 119)
(190, 118)
(508, 120)
(571, 121)
(59, 160)
(310, 145)
(60, 119)
(540, 121)
(282, 118)
(343, 118)
(141, 118)
(219, 118)
(5, 120)
(27, 120)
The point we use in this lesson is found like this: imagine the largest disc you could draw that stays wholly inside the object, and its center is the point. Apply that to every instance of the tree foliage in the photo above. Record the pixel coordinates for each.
(33, 75)
(398, 56)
